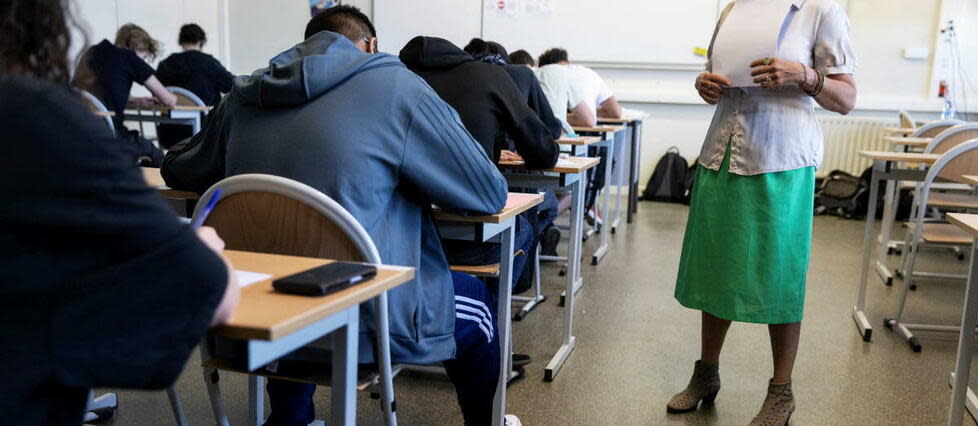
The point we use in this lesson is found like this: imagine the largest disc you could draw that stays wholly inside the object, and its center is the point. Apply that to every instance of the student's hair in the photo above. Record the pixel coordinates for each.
(522, 57)
(192, 34)
(134, 37)
(480, 48)
(35, 37)
(553, 56)
(342, 19)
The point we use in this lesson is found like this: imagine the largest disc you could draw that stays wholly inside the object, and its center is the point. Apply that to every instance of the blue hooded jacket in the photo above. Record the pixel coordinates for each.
(373, 136)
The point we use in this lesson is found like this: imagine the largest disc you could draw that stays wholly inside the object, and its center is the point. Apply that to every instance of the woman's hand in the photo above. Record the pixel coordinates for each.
(711, 87)
(507, 155)
(774, 72)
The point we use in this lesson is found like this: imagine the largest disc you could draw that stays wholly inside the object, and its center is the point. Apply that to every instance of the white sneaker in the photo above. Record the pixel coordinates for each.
(512, 420)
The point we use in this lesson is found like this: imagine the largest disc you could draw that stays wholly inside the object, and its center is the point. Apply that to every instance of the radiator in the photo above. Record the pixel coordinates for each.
(845, 137)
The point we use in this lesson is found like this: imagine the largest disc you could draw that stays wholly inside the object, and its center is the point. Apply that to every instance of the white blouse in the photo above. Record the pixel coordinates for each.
(773, 130)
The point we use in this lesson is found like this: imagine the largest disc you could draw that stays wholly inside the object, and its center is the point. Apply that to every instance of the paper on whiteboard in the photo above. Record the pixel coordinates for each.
(247, 278)
(750, 32)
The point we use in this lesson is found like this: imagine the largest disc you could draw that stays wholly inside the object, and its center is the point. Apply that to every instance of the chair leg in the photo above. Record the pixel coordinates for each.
(212, 379)
(908, 279)
(178, 414)
(388, 403)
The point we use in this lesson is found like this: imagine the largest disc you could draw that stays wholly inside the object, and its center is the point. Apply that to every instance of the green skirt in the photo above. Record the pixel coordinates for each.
(747, 244)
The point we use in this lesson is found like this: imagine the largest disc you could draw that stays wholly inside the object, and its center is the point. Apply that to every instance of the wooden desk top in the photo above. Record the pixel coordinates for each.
(164, 108)
(516, 203)
(623, 120)
(580, 140)
(155, 180)
(564, 165)
(265, 314)
(970, 179)
(967, 222)
(899, 130)
(104, 113)
(912, 157)
(905, 141)
(599, 129)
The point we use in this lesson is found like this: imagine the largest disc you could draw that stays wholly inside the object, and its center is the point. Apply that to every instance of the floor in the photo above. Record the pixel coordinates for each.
(636, 347)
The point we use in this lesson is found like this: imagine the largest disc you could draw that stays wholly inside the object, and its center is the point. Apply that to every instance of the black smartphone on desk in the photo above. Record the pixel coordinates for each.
(326, 279)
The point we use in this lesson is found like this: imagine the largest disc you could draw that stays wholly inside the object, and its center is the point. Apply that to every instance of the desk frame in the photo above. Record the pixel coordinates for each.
(574, 182)
(171, 116)
(611, 218)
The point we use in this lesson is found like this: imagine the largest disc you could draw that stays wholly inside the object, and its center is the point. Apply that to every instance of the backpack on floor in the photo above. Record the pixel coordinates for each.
(668, 181)
(862, 201)
(839, 194)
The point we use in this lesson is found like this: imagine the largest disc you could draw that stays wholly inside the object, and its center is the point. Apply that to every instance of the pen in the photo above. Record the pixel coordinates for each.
(199, 220)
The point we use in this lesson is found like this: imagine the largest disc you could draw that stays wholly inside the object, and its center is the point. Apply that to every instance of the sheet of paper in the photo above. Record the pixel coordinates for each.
(749, 33)
(247, 278)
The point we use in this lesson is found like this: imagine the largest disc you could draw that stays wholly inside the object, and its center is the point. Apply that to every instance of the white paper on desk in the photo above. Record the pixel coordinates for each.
(750, 32)
(247, 278)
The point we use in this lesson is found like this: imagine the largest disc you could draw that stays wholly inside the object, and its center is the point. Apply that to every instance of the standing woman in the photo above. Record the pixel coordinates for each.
(748, 237)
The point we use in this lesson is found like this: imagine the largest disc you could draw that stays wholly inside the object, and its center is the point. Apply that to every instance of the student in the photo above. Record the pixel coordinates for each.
(493, 109)
(109, 70)
(541, 217)
(102, 286)
(588, 87)
(370, 134)
(195, 71)
(522, 57)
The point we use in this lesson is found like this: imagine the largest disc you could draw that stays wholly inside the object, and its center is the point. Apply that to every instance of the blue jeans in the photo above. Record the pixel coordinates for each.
(474, 371)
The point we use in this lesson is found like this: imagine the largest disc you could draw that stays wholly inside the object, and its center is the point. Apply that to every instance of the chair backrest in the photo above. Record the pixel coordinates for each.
(952, 165)
(933, 129)
(906, 121)
(272, 214)
(952, 137)
(185, 97)
(93, 103)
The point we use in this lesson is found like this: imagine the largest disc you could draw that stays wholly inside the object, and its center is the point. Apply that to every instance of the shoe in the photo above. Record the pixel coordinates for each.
(778, 406)
(549, 241)
(511, 420)
(703, 386)
(520, 360)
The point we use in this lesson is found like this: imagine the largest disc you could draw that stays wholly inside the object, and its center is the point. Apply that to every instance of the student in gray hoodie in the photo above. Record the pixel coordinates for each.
(369, 133)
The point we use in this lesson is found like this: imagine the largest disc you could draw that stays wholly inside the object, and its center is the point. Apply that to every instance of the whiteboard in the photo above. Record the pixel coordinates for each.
(398, 21)
(641, 32)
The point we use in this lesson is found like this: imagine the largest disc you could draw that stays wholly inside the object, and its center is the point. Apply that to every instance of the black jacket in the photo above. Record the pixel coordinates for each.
(529, 86)
(102, 286)
(488, 102)
(197, 72)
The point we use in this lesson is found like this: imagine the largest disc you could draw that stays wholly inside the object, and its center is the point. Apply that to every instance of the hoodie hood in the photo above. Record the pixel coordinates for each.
(307, 70)
(432, 53)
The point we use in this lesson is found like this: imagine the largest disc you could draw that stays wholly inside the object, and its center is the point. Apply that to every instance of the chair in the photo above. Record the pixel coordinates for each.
(951, 166)
(906, 121)
(96, 105)
(185, 97)
(935, 128)
(271, 214)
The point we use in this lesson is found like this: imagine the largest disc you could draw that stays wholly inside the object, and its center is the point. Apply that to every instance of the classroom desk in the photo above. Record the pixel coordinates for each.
(267, 325)
(962, 397)
(905, 131)
(155, 180)
(180, 114)
(883, 169)
(608, 134)
(908, 142)
(499, 227)
(635, 165)
(569, 174)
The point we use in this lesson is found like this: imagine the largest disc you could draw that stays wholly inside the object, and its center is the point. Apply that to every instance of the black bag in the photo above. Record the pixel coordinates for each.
(839, 194)
(668, 181)
(862, 201)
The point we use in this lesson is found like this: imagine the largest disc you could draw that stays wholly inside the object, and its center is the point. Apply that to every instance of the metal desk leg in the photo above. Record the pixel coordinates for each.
(966, 345)
(344, 381)
(178, 414)
(859, 310)
(619, 164)
(602, 250)
(636, 167)
(256, 400)
(889, 216)
(503, 322)
(538, 297)
(573, 274)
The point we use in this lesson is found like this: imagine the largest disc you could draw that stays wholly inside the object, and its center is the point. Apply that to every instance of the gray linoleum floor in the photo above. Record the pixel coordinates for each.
(636, 346)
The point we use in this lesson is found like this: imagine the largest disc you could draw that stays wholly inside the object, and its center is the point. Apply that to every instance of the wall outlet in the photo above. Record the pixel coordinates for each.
(916, 53)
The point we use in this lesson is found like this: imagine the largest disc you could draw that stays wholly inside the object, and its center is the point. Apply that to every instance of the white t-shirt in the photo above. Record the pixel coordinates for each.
(589, 86)
(567, 86)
